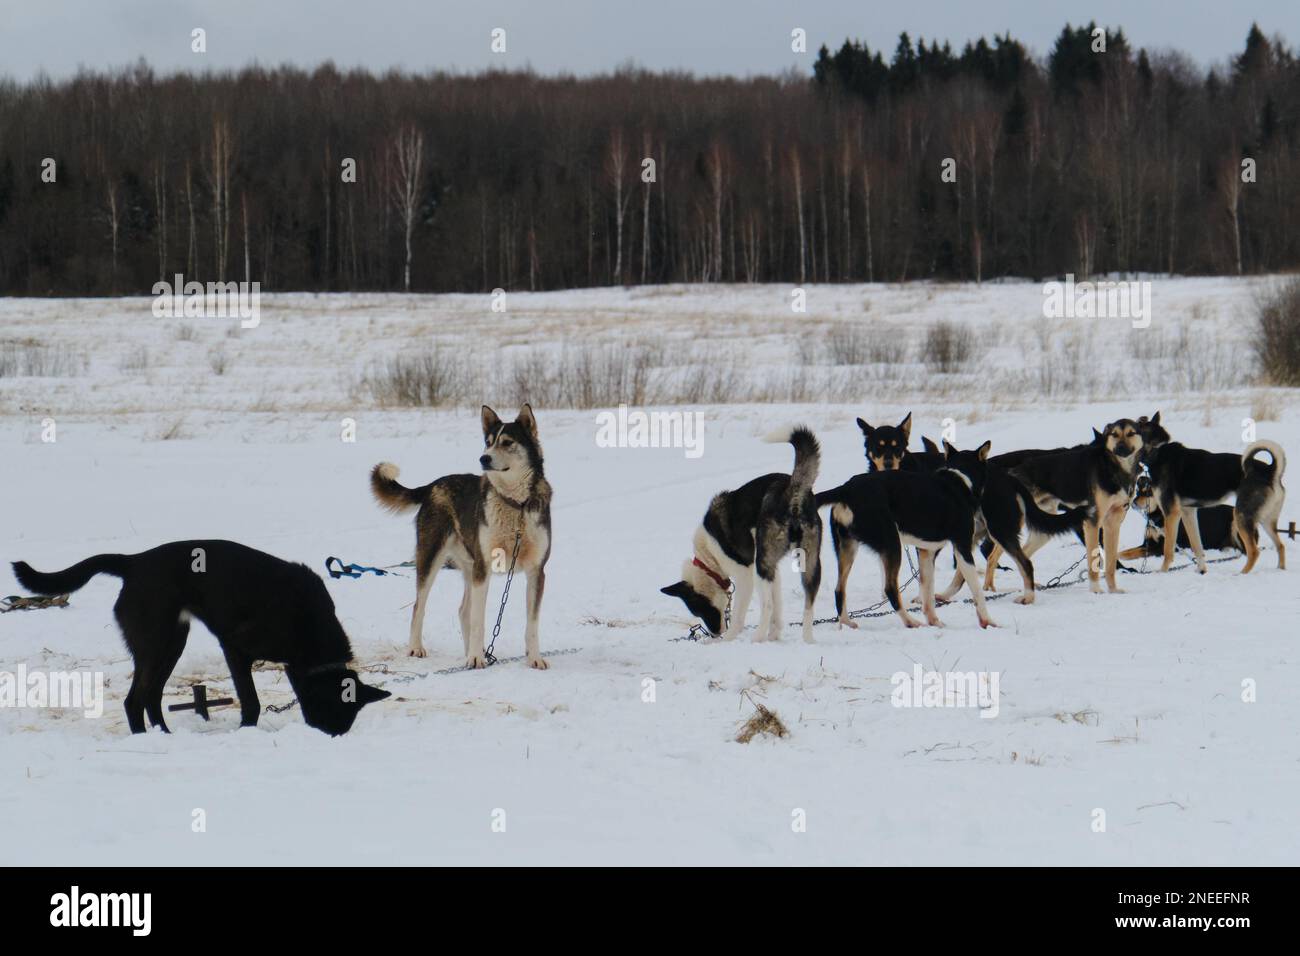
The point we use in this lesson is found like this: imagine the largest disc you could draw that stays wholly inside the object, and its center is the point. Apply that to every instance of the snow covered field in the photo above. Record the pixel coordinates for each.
(1130, 704)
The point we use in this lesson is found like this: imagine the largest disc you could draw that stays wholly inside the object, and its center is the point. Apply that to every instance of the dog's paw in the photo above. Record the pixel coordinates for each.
(1023, 599)
(1117, 590)
(417, 652)
(538, 663)
(848, 622)
(476, 661)
(934, 621)
(986, 622)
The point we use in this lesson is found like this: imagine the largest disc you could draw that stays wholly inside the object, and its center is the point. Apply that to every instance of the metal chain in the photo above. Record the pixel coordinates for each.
(1055, 582)
(698, 631)
(488, 656)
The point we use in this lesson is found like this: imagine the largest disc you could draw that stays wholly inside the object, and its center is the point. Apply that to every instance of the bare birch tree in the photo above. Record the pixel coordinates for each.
(406, 156)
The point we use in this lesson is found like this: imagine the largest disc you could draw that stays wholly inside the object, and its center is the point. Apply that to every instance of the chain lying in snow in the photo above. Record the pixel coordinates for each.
(495, 660)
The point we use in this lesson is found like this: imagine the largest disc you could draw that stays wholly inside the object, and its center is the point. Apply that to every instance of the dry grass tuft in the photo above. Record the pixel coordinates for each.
(762, 721)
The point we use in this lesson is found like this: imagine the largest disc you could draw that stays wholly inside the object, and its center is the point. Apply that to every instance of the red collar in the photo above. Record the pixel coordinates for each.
(724, 583)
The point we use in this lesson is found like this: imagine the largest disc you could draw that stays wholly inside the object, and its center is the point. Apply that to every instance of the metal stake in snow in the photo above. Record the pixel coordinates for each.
(201, 703)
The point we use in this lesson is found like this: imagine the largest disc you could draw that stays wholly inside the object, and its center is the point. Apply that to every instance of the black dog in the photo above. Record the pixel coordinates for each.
(259, 607)
(1006, 506)
(1185, 480)
(886, 510)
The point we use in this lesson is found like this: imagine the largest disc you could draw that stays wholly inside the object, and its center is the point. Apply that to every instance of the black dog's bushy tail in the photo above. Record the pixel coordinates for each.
(831, 497)
(807, 456)
(73, 578)
(1045, 522)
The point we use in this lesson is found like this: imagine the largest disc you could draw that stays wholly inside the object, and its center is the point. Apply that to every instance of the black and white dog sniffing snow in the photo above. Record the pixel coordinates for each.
(745, 535)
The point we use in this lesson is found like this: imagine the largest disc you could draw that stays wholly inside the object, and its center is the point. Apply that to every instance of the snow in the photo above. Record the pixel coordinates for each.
(1128, 703)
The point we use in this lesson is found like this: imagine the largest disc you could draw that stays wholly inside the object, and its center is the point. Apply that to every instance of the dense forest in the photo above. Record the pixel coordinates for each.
(920, 163)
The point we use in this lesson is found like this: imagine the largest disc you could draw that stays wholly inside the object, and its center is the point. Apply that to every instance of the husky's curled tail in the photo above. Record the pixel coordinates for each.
(390, 493)
(807, 457)
(1271, 471)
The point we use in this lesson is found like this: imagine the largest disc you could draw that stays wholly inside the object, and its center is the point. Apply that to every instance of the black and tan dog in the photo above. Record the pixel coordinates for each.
(474, 523)
(1187, 479)
(1214, 523)
(888, 510)
(886, 446)
(1006, 508)
(258, 607)
(1152, 432)
(1100, 477)
(746, 533)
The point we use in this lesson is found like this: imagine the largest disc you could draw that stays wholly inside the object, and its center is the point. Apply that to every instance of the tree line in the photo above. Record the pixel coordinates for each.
(925, 163)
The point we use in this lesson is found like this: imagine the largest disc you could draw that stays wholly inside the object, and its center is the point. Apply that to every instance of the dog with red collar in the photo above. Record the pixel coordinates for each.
(742, 540)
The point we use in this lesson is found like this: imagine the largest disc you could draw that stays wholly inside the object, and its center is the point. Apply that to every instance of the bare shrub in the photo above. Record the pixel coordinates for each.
(218, 361)
(35, 360)
(435, 378)
(1276, 339)
(947, 347)
(855, 345)
(136, 360)
(185, 332)
(713, 379)
(599, 376)
(173, 432)
(1205, 363)
(848, 345)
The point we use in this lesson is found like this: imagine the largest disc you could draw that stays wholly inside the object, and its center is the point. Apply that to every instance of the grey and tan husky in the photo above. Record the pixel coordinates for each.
(469, 523)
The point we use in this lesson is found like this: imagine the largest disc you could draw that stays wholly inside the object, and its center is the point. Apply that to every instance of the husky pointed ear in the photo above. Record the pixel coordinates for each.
(1096, 437)
(983, 450)
(948, 450)
(526, 418)
(491, 421)
(905, 426)
(930, 447)
(1155, 419)
(675, 590)
(866, 429)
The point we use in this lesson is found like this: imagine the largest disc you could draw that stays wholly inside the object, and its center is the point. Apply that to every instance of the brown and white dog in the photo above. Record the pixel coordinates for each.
(473, 523)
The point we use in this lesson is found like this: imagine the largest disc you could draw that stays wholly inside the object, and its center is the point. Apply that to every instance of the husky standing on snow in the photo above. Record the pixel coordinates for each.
(473, 523)
(749, 531)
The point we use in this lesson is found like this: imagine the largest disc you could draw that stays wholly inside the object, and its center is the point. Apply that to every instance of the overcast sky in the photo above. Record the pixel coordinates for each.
(740, 37)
